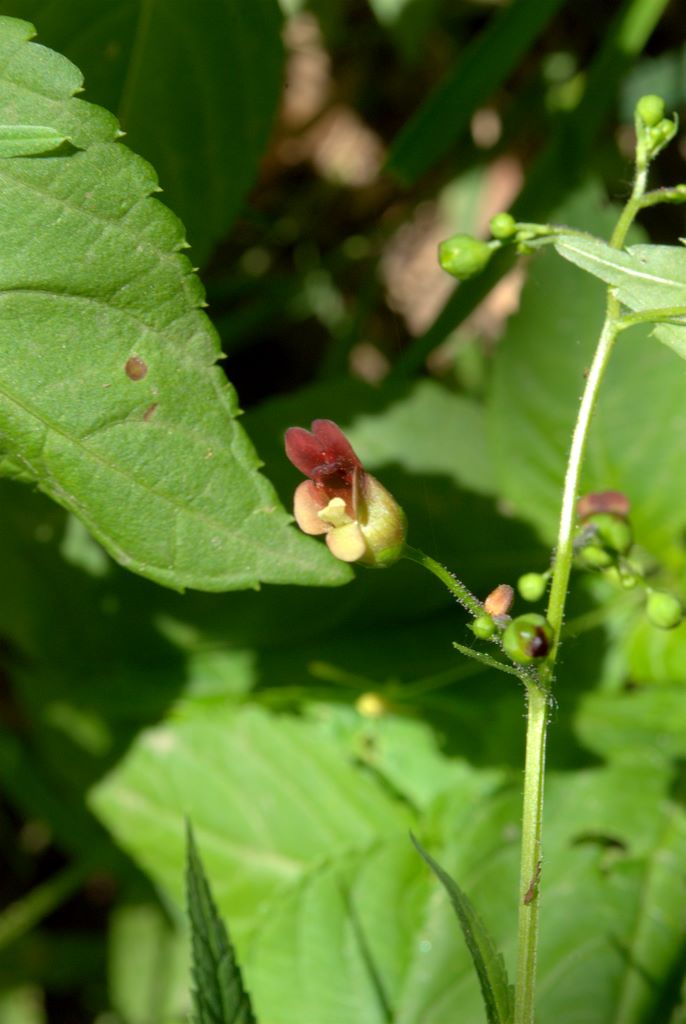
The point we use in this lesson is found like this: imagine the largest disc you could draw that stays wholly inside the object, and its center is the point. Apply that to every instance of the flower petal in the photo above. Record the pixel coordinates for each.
(308, 500)
(325, 454)
(335, 513)
(346, 542)
(303, 449)
(335, 443)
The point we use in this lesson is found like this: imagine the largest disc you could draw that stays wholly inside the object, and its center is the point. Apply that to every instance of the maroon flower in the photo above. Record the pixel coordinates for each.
(361, 520)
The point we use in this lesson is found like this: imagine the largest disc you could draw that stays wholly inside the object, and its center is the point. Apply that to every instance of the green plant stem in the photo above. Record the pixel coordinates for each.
(456, 588)
(674, 194)
(534, 774)
(530, 865)
(565, 539)
(665, 315)
(488, 662)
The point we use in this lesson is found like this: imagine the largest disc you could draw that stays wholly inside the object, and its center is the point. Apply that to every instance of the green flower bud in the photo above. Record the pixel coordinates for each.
(503, 226)
(531, 585)
(594, 557)
(664, 610)
(463, 256)
(483, 626)
(611, 530)
(659, 136)
(651, 109)
(528, 639)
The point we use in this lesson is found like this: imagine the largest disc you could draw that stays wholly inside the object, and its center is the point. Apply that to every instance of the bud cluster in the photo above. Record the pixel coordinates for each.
(654, 131)
(603, 543)
(527, 639)
(463, 256)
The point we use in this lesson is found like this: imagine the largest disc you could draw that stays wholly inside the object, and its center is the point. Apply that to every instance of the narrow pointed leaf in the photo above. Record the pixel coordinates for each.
(109, 397)
(488, 962)
(218, 993)
(644, 276)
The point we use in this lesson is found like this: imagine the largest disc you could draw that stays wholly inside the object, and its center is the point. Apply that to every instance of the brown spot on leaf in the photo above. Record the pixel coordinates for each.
(136, 368)
(150, 412)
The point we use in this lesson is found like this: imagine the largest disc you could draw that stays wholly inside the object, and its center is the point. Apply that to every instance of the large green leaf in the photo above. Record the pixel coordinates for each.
(194, 86)
(656, 655)
(429, 430)
(109, 397)
(648, 723)
(28, 140)
(330, 906)
(266, 795)
(539, 377)
(619, 850)
(644, 277)
(310, 856)
(355, 922)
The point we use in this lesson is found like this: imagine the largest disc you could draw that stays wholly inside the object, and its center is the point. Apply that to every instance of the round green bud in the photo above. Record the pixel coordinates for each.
(528, 639)
(612, 531)
(463, 256)
(503, 226)
(594, 557)
(531, 585)
(483, 626)
(651, 109)
(664, 610)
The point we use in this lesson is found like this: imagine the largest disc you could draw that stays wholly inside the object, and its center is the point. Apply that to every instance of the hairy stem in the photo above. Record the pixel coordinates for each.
(530, 866)
(456, 588)
(534, 774)
(565, 538)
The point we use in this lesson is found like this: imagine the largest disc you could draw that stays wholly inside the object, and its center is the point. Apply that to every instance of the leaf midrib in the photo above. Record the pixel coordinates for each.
(628, 269)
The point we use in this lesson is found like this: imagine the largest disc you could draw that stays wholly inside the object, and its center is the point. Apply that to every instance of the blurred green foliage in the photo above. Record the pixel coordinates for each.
(305, 730)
